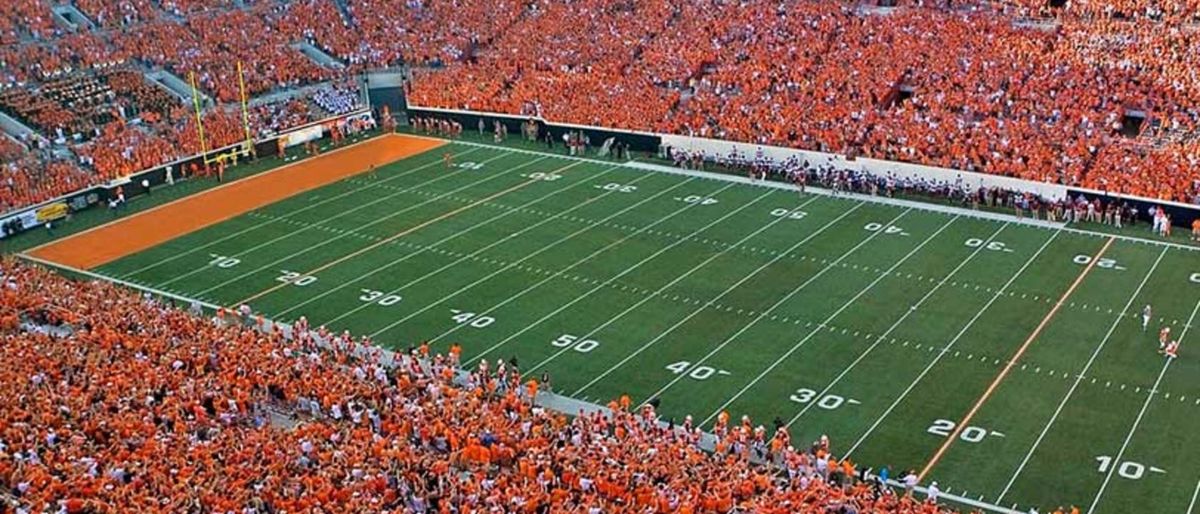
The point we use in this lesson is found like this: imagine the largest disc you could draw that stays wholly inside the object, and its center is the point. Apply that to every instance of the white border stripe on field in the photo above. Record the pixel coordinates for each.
(611, 279)
(688, 273)
(820, 326)
(950, 345)
(914, 204)
(1142, 413)
(516, 263)
(695, 365)
(1080, 376)
(305, 208)
(897, 323)
(356, 230)
(475, 253)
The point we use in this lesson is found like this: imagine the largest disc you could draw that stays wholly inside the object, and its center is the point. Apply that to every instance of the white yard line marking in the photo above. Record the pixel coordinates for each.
(950, 345)
(601, 285)
(1195, 494)
(1138, 421)
(898, 322)
(559, 273)
(824, 323)
(702, 307)
(455, 235)
(1079, 378)
(209, 244)
(336, 238)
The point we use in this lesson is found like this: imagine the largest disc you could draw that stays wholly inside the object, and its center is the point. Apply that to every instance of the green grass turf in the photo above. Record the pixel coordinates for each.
(863, 321)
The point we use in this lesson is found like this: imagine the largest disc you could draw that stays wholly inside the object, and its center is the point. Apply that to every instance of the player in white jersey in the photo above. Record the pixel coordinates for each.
(1164, 335)
(1145, 317)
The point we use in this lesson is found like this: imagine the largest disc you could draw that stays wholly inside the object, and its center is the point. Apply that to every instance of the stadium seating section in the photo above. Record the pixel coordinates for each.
(120, 402)
(1025, 88)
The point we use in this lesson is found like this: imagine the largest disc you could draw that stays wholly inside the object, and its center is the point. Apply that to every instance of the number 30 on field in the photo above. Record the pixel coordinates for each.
(827, 402)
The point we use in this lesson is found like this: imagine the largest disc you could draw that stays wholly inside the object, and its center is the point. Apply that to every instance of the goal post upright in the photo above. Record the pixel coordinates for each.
(199, 116)
(245, 108)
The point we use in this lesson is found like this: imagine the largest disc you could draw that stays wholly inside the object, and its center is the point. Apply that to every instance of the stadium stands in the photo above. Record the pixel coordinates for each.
(1098, 94)
(122, 402)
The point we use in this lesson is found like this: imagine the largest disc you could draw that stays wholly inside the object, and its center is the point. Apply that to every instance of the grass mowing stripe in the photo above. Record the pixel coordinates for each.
(950, 345)
(293, 233)
(1079, 378)
(402, 233)
(539, 252)
(1137, 421)
(194, 249)
(464, 257)
(987, 393)
(898, 322)
(610, 280)
(686, 274)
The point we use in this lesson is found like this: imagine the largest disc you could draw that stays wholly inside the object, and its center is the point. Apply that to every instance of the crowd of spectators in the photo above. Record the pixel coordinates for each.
(966, 88)
(965, 85)
(122, 402)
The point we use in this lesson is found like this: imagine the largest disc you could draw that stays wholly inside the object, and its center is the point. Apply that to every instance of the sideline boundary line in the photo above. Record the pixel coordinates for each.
(915, 204)
(987, 393)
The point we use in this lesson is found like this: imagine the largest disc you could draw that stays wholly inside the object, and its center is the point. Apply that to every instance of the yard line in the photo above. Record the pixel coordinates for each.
(451, 264)
(1138, 421)
(402, 233)
(707, 304)
(898, 322)
(339, 215)
(953, 341)
(192, 250)
(1079, 377)
(987, 393)
(1195, 493)
(358, 229)
(538, 252)
(608, 281)
(818, 327)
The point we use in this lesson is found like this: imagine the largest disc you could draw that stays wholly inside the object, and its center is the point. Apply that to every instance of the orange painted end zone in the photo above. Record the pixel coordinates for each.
(126, 236)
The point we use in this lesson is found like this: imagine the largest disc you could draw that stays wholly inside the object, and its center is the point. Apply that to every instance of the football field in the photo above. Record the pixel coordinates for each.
(1004, 360)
